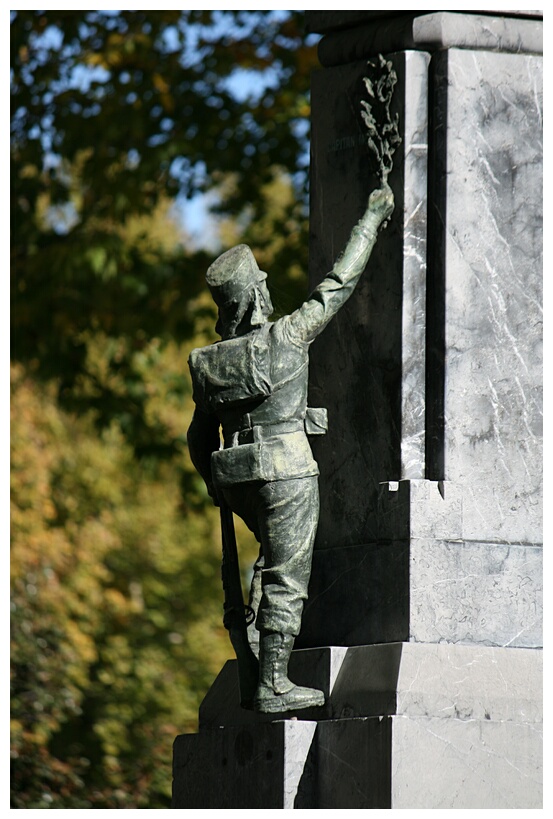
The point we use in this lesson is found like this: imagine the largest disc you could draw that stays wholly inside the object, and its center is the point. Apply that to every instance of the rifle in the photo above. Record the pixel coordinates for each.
(234, 618)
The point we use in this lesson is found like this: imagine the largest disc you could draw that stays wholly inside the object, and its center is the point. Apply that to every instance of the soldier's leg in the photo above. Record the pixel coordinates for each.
(288, 513)
(287, 522)
(283, 515)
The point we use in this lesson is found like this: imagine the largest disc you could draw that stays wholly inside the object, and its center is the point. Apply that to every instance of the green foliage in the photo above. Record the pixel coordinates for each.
(113, 115)
(110, 114)
(116, 609)
(116, 594)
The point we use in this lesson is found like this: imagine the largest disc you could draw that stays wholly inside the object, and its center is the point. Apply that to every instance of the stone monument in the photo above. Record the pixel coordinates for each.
(423, 621)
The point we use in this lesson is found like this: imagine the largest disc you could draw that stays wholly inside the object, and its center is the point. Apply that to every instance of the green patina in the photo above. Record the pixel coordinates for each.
(253, 385)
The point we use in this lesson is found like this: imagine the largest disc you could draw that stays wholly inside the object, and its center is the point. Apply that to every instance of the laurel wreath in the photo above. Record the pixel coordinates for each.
(383, 128)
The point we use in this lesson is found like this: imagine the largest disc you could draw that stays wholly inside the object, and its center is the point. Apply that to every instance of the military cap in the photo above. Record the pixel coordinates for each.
(232, 273)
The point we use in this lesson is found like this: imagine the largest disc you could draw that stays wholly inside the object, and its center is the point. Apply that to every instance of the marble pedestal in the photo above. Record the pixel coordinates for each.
(432, 371)
(405, 726)
(452, 563)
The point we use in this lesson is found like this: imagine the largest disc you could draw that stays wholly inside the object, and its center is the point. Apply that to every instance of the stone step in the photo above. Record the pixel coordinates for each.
(412, 679)
(368, 762)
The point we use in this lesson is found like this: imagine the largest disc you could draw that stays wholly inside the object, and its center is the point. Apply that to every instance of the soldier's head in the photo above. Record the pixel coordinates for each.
(239, 289)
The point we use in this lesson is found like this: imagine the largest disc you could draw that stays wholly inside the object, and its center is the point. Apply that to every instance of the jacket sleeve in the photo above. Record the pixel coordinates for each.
(311, 318)
(203, 439)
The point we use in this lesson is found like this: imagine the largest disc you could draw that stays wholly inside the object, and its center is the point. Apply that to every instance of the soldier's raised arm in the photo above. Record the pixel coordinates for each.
(324, 302)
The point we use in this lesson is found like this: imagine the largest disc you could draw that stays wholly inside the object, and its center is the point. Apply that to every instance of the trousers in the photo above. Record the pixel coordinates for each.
(283, 515)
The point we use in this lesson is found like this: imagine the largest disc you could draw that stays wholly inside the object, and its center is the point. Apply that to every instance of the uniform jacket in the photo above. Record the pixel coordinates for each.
(255, 386)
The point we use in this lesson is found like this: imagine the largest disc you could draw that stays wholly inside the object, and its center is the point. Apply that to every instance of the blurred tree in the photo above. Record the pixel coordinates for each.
(116, 603)
(110, 113)
(116, 606)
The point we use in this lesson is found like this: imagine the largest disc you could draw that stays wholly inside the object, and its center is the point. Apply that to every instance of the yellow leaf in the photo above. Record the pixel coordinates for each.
(160, 83)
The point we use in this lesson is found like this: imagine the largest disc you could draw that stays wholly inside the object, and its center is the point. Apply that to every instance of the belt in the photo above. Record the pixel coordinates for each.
(249, 433)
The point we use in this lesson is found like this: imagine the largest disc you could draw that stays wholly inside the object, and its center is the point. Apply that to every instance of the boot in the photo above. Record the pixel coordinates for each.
(276, 693)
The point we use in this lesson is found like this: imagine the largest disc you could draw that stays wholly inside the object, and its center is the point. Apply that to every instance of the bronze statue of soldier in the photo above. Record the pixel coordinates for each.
(253, 384)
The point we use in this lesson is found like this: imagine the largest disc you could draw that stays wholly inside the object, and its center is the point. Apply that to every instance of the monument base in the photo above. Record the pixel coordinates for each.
(453, 563)
(405, 725)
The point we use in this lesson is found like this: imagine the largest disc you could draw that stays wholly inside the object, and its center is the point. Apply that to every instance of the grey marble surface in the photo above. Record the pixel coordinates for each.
(413, 308)
(353, 759)
(504, 513)
(406, 725)
(368, 367)
(376, 419)
(440, 571)
(492, 183)
(483, 593)
(481, 403)
(453, 511)
(413, 762)
(427, 763)
(446, 681)
(420, 508)
(298, 772)
(491, 32)
(357, 595)
(439, 763)
(443, 681)
(325, 21)
(431, 32)
(242, 767)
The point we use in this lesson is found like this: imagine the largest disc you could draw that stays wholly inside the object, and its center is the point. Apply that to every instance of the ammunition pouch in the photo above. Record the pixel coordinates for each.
(316, 421)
